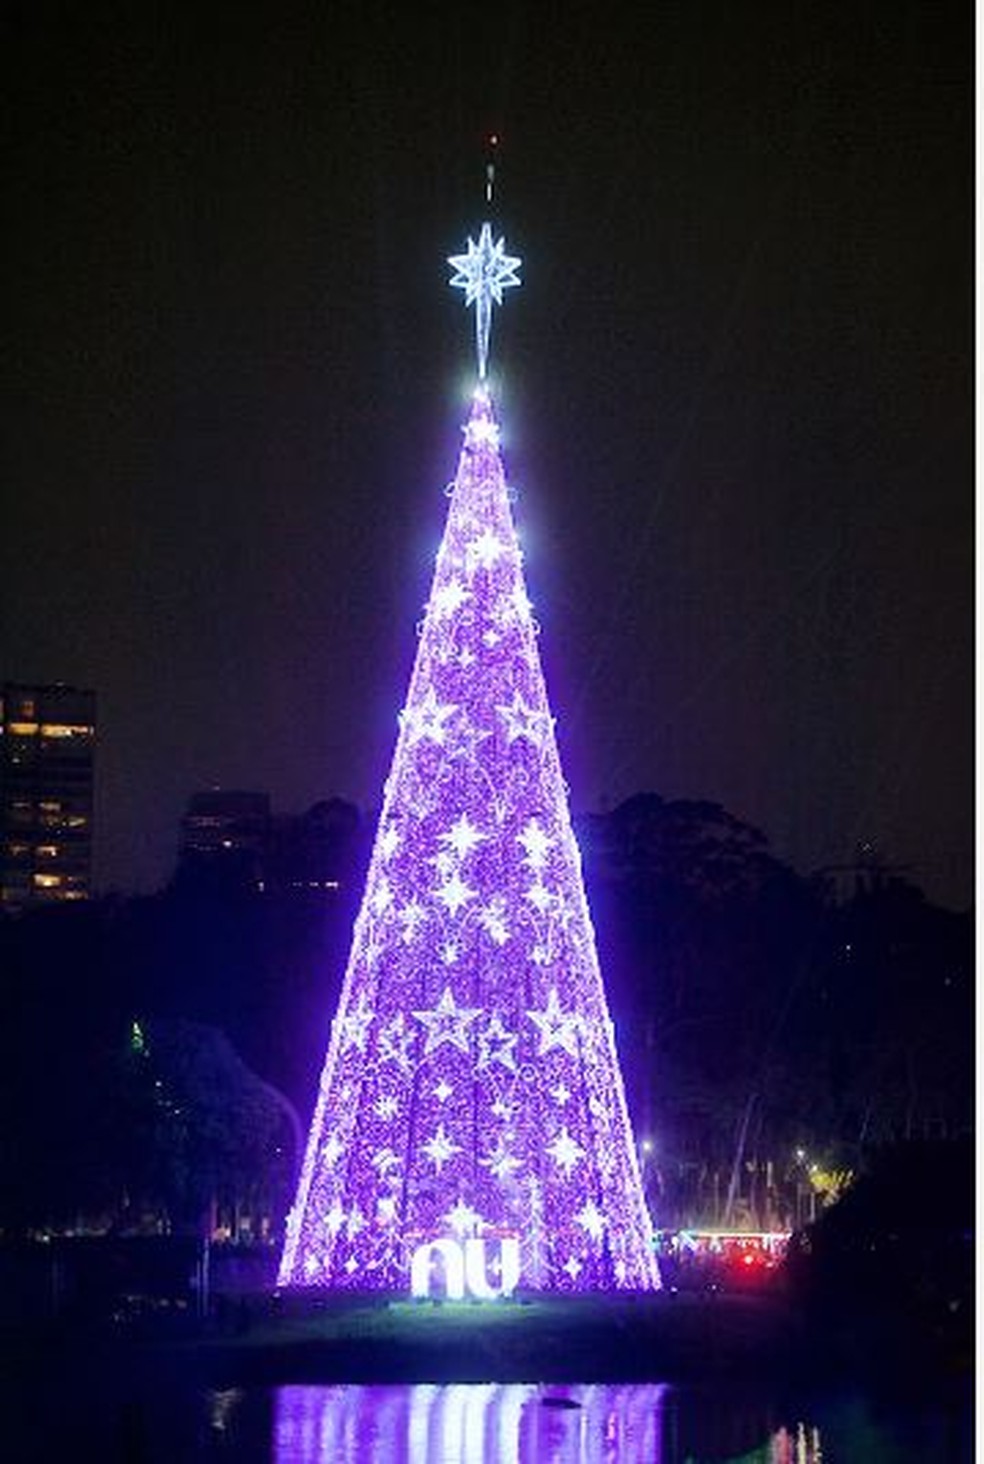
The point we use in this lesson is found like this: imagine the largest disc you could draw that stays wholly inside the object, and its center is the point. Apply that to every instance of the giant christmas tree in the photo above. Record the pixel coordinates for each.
(471, 1130)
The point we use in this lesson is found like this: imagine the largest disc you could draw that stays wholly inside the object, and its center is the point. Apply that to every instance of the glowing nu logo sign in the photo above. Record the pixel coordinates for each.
(464, 1268)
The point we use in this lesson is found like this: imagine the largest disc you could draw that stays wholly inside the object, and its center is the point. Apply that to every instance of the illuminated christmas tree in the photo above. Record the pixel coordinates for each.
(471, 1129)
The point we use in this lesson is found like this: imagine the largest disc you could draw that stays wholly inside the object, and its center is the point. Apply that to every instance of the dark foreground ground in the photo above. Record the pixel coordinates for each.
(267, 1340)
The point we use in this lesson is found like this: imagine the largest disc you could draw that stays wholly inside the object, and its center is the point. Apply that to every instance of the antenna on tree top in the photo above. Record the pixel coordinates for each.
(491, 143)
(485, 270)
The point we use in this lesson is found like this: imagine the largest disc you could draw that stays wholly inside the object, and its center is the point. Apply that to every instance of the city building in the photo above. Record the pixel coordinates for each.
(225, 833)
(47, 746)
(230, 838)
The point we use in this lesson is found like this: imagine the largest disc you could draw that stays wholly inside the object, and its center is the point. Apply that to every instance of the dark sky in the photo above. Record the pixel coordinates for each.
(735, 395)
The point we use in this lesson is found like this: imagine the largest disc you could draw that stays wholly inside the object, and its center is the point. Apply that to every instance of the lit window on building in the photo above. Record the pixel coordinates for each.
(65, 729)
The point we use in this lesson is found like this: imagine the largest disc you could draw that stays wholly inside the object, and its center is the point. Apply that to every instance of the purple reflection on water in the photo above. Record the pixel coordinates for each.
(469, 1423)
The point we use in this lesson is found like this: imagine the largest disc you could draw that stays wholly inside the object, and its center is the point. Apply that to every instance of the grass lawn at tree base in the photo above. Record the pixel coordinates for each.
(295, 1338)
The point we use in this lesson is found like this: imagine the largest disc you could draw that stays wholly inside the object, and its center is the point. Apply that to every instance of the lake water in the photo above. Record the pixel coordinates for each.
(500, 1424)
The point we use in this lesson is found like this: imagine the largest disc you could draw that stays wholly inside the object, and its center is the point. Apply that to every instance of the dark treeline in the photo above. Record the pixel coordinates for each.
(160, 1055)
(774, 1030)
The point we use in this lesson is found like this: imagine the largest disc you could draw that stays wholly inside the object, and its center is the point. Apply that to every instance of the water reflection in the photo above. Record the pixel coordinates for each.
(164, 1419)
(800, 1445)
(602, 1424)
(512, 1424)
(524, 1423)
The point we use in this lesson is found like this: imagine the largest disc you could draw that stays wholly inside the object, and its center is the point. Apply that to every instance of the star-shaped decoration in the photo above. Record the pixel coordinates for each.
(573, 1267)
(389, 842)
(443, 1091)
(561, 1094)
(356, 1221)
(495, 1044)
(450, 953)
(592, 1221)
(351, 1265)
(557, 1028)
(566, 1152)
(502, 1109)
(485, 551)
(450, 598)
(463, 837)
(440, 1148)
(311, 1264)
(537, 843)
(493, 920)
(463, 1220)
(500, 1161)
(524, 721)
(447, 1022)
(356, 1024)
(483, 273)
(539, 897)
(335, 1219)
(454, 893)
(386, 1209)
(485, 270)
(386, 1107)
(426, 721)
(481, 432)
(331, 1150)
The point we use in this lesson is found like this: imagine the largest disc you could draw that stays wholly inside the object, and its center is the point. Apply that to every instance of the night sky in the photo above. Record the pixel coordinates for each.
(734, 388)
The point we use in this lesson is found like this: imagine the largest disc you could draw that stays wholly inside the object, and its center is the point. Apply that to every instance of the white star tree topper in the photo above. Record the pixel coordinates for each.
(483, 273)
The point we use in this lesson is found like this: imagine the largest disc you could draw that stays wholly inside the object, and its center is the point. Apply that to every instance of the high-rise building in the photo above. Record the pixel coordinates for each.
(471, 1131)
(47, 745)
(231, 838)
(225, 835)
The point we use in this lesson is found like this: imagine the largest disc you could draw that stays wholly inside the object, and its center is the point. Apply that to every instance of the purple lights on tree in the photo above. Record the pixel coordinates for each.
(471, 1089)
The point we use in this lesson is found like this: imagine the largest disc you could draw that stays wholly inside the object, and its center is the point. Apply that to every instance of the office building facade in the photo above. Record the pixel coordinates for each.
(47, 765)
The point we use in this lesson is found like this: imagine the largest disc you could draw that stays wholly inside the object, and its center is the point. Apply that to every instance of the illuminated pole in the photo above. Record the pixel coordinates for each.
(471, 1129)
